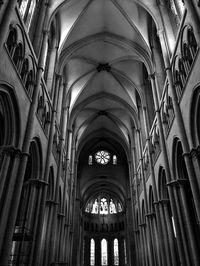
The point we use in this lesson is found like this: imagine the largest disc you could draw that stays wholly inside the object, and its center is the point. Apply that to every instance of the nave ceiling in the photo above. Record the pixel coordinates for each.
(104, 55)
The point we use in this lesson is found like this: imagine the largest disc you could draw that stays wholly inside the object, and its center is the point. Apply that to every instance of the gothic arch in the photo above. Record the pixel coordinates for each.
(195, 117)
(9, 117)
(50, 190)
(162, 184)
(28, 206)
(179, 166)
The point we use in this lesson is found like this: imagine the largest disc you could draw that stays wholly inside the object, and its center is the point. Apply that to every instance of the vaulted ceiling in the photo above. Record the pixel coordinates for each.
(104, 46)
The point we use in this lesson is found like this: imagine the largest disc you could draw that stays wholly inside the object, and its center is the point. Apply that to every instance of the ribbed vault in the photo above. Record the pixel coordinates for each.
(105, 55)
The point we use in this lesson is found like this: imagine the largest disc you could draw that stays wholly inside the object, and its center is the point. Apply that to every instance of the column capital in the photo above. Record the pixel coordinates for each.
(38, 182)
(164, 201)
(143, 225)
(168, 68)
(12, 151)
(172, 183)
(150, 215)
(45, 31)
(152, 76)
(161, 2)
(195, 152)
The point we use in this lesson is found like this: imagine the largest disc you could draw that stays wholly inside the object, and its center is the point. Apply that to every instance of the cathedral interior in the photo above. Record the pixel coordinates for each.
(99, 132)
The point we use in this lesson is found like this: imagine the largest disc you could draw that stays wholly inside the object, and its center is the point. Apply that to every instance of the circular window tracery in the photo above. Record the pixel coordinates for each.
(102, 157)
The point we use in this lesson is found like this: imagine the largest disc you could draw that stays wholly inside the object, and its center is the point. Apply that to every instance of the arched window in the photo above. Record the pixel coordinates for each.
(104, 206)
(25, 222)
(116, 251)
(92, 252)
(90, 160)
(125, 254)
(25, 69)
(114, 159)
(95, 207)
(112, 206)
(104, 252)
(26, 8)
(18, 55)
(12, 40)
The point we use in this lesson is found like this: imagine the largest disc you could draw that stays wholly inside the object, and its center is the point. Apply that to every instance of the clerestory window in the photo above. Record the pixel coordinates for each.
(27, 8)
(103, 205)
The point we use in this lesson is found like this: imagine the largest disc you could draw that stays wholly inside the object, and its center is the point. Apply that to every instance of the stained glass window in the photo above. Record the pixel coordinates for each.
(125, 255)
(119, 207)
(102, 157)
(104, 206)
(112, 207)
(90, 160)
(92, 252)
(104, 252)
(26, 8)
(95, 207)
(116, 252)
(114, 159)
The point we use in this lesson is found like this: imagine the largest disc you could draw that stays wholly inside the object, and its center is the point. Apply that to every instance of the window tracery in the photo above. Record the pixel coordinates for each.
(103, 205)
(102, 157)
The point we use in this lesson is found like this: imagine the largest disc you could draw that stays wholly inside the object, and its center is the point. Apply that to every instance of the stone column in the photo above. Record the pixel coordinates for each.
(149, 246)
(37, 241)
(40, 24)
(167, 166)
(193, 246)
(97, 252)
(168, 34)
(168, 231)
(6, 153)
(149, 217)
(51, 68)
(184, 252)
(110, 252)
(195, 185)
(87, 251)
(9, 194)
(154, 188)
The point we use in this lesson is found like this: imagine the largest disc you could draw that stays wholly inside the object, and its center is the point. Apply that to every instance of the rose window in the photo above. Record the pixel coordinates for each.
(102, 157)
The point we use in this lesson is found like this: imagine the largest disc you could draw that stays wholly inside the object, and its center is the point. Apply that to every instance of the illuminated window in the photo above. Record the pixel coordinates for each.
(104, 252)
(102, 157)
(173, 224)
(95, 207)
(125, 255)
(26, 8)
(114, 159)
(112, 207)
(104, 206)
(119, 207)
(116, 252)
(92, 252)
(90, 160)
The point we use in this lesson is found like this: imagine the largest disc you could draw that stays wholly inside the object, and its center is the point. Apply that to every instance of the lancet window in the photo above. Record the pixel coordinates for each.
(26, 8)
